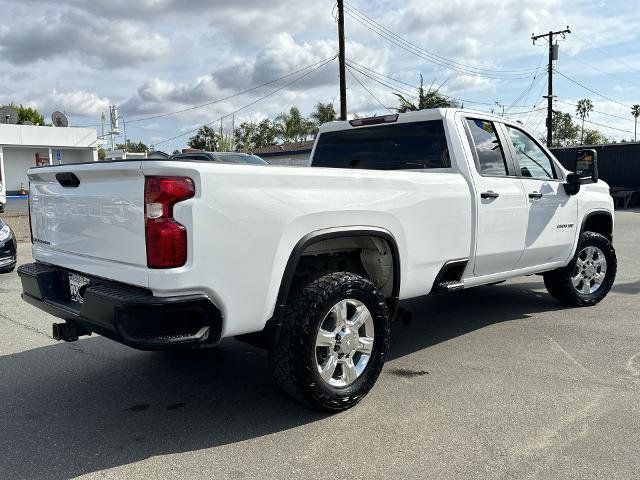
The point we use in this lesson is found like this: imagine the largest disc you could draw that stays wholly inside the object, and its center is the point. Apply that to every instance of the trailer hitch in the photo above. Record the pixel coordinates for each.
(68, 331)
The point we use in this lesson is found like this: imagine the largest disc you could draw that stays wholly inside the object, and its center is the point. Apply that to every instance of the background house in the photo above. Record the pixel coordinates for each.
(26, 146)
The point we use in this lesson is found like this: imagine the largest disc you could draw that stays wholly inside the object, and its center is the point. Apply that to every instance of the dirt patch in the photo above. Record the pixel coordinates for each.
(19, 223)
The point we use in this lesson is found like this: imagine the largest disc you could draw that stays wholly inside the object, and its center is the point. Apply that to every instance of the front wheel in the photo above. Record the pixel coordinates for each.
(589, 276)
(333, 342)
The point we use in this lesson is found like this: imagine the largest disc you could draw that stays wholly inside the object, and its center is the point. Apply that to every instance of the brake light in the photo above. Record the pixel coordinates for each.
(166, 239)
(361, 122)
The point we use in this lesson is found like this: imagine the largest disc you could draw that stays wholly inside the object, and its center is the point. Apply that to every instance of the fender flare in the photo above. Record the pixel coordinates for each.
(592, 213)
(273, 325)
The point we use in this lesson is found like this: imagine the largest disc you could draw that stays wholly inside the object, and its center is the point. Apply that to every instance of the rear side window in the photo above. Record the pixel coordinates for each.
(400, 146)
(488, 151)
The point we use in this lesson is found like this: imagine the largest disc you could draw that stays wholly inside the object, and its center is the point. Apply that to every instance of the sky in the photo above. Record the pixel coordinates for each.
(154, 58)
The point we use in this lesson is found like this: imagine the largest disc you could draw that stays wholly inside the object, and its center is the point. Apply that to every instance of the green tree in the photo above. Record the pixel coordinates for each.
(28, 114)
(594, 137)
(429, 98)
(635, 111)
(252, 135)
(565, 132)
(323, 113)
(583, 109)
(205, 139)
(293, 127)
(132, 147)
(101, 153)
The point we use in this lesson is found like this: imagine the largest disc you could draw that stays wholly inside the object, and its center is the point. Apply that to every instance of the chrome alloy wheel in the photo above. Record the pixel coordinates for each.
(344, 343)
(590, 271)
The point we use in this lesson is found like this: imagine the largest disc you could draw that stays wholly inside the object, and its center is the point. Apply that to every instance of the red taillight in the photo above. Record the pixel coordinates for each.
(166, 238)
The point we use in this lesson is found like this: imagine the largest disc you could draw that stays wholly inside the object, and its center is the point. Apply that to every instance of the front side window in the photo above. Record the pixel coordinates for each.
(401, 146)
(488, 151)
(532, 160)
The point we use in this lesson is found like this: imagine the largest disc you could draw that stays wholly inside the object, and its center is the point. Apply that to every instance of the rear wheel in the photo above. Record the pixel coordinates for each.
(333, 342)
(589, 276)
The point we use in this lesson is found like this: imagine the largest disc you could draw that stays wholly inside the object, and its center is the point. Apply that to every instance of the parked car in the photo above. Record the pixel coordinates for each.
(8, 248)
(313, 262)
(222, 157)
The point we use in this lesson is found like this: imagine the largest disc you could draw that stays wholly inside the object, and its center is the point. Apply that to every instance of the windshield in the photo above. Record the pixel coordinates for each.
(239, 158)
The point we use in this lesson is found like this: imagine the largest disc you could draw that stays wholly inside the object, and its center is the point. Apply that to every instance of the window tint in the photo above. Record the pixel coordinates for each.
(489, 154)
(532, 160)
(399, 146)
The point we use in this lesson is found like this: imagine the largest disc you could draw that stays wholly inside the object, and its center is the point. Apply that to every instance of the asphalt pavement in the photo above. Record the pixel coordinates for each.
(490, 383)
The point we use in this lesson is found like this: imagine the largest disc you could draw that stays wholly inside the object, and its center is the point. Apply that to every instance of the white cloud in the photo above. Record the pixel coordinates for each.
(108, 44)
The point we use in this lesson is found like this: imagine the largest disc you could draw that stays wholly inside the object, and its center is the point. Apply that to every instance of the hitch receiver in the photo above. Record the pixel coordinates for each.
(68, 331)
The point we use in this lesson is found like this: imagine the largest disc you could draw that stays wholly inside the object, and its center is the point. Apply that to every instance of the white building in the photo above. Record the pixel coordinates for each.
(26, 146)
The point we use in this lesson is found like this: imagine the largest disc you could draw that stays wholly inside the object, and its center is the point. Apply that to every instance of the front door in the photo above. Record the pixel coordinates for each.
(551, 213)
(501, 207)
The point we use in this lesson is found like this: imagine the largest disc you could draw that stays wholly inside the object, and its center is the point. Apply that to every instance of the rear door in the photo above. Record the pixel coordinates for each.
(89, 210)
(501, 206)
(551, 213)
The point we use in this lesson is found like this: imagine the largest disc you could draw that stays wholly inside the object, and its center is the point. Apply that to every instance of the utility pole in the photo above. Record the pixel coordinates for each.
(553, 55)
(342, 61)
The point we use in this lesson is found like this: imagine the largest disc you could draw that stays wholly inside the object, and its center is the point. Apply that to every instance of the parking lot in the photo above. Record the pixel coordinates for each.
(493, 382)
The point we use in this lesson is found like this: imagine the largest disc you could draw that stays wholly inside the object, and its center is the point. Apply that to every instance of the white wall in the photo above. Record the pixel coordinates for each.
(31, 135)
(16, 163)
(74, 155)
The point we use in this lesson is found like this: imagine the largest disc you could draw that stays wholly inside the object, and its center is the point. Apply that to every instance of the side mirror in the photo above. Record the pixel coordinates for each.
(585, 170)
(586, 166)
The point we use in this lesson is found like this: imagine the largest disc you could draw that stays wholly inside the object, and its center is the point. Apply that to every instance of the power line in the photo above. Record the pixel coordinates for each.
(598, 111)
(590, 89)
(426, 55)
(586, 42)
(612, 75)
(539, 99)
(602, 125)
(362, 18)
(525, 94)
(370, 73)
(402, 90)
(212, 102)
(270, 94)
(349, 69)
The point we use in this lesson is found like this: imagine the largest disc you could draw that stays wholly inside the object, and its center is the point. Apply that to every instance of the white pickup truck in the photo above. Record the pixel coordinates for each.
(312, 262)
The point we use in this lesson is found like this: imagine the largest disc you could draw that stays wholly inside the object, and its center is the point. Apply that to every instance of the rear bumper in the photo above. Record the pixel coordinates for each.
(129, 315)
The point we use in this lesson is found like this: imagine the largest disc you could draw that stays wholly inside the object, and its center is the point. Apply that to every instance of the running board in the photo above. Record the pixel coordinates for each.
(448, 287)
(449, 279)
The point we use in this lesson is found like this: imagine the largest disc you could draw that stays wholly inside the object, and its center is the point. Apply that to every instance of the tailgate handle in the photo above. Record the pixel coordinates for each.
(68, 180)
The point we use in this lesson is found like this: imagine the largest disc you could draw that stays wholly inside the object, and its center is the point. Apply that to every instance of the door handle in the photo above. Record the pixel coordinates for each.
(489, 194)
(535, 195)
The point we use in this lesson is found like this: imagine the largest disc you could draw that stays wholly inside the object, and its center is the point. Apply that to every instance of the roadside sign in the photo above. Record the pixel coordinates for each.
(58, 155)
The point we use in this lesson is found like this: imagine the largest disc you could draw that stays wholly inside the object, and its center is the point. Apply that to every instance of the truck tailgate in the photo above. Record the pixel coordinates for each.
(89, 210)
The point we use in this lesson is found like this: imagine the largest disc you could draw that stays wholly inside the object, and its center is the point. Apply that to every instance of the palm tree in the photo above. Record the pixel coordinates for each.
(431, 98)
(635, 111)
(584, 107)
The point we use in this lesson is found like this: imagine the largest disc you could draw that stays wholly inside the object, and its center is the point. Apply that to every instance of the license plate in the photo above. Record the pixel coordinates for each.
(76, 287)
